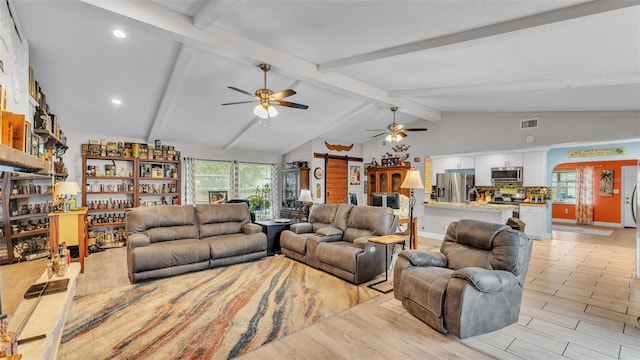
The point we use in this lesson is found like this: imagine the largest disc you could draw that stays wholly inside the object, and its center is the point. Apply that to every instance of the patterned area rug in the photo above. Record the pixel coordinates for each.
(213, 314)
(582, 230)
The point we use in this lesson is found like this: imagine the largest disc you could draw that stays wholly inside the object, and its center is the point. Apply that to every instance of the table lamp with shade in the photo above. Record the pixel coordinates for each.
(67, 190)
(412, 181)
(306, 200)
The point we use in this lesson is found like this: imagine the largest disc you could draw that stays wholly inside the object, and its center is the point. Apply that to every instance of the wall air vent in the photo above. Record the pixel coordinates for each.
(529, 123)
(383, 143)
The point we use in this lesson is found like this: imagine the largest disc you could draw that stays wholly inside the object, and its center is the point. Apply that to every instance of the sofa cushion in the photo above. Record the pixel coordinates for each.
(322, 215)
(235, 244)
(368, 221)
(221, 219)
(340, 254)
(169, 253)
(342, 216)
(472, 243)
(163, 223)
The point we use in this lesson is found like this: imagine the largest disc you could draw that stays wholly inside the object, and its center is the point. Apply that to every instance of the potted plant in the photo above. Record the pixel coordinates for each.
(261, 200)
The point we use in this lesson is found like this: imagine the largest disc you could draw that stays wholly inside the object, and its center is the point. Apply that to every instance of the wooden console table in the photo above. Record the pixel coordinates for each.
(70, 227)
(405, 220)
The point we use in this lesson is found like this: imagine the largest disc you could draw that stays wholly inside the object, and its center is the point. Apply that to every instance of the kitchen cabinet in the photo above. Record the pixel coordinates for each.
(484, 163)
(442, 164)
(293, 180)
(534, 168)
(534, 217)
(386, 179)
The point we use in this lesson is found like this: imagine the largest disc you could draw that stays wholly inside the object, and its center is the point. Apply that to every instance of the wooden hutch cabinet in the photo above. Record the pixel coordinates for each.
(386, 179)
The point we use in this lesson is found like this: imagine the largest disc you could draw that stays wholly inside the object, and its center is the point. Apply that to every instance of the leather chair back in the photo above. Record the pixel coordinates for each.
(472, 243)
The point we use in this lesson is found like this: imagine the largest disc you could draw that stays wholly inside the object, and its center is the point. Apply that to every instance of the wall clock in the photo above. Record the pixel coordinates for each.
(317, 173)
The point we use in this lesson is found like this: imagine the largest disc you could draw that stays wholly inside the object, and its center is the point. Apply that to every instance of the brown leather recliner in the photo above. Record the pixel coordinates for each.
(473, 285)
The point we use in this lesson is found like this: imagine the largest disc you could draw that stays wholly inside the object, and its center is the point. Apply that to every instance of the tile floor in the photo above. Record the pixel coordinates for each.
(581, 297)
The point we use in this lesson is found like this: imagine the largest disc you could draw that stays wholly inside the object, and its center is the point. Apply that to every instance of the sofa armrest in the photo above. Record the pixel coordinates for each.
(138, 240)
(424, 258)
(489, 281)
(301, 228)
(251, 228)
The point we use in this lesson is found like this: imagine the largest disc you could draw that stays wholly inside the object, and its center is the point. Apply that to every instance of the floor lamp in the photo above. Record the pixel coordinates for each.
(412, 181)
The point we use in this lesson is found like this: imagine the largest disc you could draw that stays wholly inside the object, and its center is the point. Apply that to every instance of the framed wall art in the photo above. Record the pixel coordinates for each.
(606, 182)
(217, 197)
(354, 175)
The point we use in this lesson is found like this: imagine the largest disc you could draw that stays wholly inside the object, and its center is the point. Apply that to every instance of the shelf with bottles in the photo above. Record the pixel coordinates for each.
(32, 248)
(158, 170)
(107, 219)
(109, 205)
(157, 189)
(106, 239)
(28, 233)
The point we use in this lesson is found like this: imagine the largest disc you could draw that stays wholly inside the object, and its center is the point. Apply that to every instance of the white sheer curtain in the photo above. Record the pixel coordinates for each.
(189, 180)
(584, 195)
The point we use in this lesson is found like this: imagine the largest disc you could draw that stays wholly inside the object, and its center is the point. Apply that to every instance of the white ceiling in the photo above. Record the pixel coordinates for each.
(348, 60)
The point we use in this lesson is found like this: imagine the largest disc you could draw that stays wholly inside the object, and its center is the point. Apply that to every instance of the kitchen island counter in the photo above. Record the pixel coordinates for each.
(438, 215)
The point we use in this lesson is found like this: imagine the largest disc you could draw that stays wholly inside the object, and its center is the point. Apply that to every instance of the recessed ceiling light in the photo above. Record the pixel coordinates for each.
(116, 101)
(119, 34)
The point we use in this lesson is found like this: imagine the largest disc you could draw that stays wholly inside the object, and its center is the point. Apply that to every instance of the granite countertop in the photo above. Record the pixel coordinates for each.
(544, 204)
(474, 205)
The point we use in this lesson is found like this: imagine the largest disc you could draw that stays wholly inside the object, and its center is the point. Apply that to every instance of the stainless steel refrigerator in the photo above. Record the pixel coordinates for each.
(454, 187)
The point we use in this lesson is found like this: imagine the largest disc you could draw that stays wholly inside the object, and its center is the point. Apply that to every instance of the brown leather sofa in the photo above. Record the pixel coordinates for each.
(473, 285)
(169, 240)
(335, 239)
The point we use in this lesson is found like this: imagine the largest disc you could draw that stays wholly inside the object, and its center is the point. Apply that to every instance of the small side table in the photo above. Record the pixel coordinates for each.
(273, 230)
(386, 240)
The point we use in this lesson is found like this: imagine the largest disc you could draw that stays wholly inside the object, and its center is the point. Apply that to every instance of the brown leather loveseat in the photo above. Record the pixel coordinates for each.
(169, 240)
(335, 239)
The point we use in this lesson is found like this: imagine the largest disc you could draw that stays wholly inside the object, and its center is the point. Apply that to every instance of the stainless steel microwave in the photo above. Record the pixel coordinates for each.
(506, 174)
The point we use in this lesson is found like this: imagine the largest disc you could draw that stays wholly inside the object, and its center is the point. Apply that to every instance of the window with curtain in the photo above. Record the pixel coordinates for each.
(239, 180)
(563, 186)
(252, 177)
(211, 176)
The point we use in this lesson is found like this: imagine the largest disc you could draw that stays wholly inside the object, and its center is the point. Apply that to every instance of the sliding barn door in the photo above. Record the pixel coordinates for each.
(336, 181)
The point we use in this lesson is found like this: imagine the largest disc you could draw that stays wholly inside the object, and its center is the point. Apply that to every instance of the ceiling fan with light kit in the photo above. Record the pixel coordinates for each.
(266, 98)
(396, 132)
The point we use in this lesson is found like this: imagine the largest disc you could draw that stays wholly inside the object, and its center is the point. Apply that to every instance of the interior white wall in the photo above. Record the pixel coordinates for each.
(14, 54)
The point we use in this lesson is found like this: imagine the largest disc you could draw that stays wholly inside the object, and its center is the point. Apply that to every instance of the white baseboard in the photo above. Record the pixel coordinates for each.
(431, 235)
(597, 223)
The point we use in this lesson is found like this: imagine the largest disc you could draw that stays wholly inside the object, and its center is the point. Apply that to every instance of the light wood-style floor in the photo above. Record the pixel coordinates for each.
(581, 301)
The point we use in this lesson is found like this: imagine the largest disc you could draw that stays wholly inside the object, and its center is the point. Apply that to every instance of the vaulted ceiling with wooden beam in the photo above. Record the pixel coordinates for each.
(349, 61)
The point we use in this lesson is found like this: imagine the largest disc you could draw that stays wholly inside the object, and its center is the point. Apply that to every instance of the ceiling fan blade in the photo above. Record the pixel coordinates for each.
(238, 102)
(375, 130)
(289, 104)
(241, 91)
(282, 94)
(383, 133)
(416, 129)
